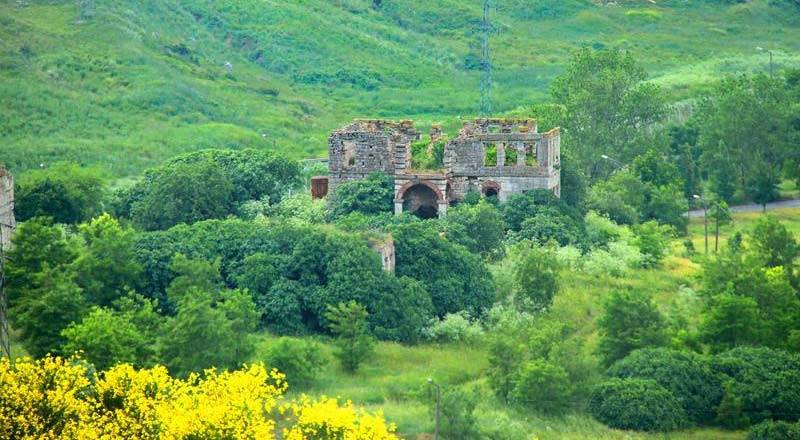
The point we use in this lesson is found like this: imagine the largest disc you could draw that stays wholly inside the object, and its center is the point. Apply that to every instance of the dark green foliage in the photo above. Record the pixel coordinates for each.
(455, 279)
(731, 321)
(106, 268)
(746, 135)
(38, 246)
(686, 375)
(541, 216)
(730, 412)
(542, 387)
(772, 430)
(205, 185)
(47, 308)
(638, 404)
(483, 226)
(298, 359)
(373, 195)
(65, 191)
(630, 321)
(183, 193)
(773, 243)
(606, 99)
(456, 413)
(536, 278)
(766, 381)
(211, 327)
(401, 310)
(349, 323)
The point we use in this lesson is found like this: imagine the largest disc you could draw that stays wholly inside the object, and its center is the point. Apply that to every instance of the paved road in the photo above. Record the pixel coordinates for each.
(698, 213)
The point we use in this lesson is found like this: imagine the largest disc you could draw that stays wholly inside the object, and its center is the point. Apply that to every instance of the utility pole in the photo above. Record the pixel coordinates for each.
(438, 401)
(5, 337)
(486, 62)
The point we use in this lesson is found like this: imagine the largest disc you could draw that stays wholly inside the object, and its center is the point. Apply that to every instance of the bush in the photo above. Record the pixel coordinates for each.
(373, 195)
(453, 328)
(630, 321)
(652, 240)
(601, 263)
(767, 381)
(542, 387)
(536, 278)
(457, 414)
(66, 192)
(772, 430)
(688, 377)
(299, 360)
(638, 404)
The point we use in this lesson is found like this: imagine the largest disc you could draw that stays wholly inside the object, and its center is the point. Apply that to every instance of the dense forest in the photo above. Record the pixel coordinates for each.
(179, 281)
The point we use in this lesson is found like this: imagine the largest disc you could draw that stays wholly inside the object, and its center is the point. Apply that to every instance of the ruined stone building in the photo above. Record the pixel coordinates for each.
(496, 157)
(7, 222)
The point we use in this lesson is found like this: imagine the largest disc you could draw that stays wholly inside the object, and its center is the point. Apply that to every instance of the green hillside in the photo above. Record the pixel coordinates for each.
(128, 83)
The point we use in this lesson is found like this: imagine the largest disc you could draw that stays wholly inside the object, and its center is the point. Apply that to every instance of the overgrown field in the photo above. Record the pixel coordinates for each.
(395, 379)
(126, 84)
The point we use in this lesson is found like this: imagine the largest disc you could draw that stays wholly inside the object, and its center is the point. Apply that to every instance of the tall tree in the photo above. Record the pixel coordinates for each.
(609, 108)
(746, 127)
(630, 321)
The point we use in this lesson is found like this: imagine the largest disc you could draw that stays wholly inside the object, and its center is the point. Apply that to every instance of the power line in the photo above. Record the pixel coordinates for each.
(486, 62)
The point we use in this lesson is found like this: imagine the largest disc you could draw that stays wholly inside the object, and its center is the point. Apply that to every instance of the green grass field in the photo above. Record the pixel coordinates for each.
(140, 81)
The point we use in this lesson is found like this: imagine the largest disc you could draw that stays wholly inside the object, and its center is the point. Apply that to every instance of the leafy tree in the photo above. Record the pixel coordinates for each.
(401, 311)
(198, 337)
(349, 323)
(731, 322)
(372, 195)
(46, 309)
(746, 134)
(106, 268)
(38, 246)
(106, 339)
(192, 275)
(542, 387)
(630, 321)
(185, 193)
(608, 106)
(638, 404)
(652, 241)
(536, 277)
(455, 278)
(457, 414)
(240, 311)
(774, 243)
(483, 226)
(774, 430)
(621, 197)
(766, 381)
(686, 375)
(65, 192)
(730, 412)
(300, 360)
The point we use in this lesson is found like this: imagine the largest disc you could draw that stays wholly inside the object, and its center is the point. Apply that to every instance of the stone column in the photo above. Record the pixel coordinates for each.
(442, 209)
(398, 207)
(520, 154)
(501, 155)
(7, 222)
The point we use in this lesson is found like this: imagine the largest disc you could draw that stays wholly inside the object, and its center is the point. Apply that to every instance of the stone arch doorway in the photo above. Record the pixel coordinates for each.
(422, 199)
(491, 189)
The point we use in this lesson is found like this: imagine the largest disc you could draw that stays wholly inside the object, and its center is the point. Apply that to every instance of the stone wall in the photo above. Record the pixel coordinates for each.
(7, 221)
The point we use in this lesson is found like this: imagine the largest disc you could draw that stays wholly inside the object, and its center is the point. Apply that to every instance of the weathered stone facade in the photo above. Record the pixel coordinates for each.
(496, 157)
(7, 222)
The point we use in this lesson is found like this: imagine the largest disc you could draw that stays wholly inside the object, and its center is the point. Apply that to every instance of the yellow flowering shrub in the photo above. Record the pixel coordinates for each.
(54, 398)
(325, 419)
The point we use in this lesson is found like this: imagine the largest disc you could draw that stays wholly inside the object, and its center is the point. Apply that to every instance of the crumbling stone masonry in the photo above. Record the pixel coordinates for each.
(496, 157)
(7, 222)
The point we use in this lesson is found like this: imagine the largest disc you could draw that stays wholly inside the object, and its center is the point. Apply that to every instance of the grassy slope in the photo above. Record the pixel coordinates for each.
(145, 79)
